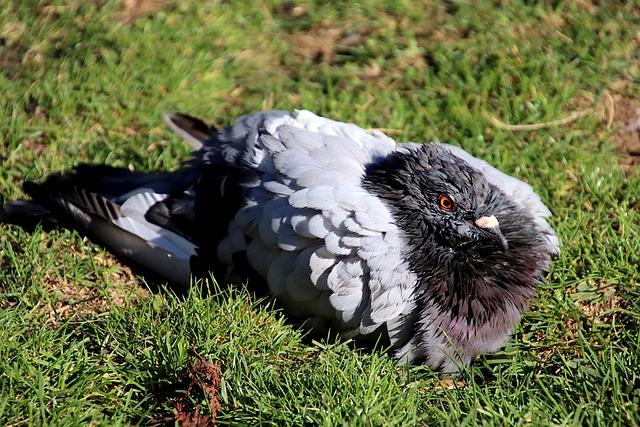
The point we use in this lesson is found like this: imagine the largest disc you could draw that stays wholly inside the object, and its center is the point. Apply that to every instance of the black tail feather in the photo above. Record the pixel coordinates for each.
(88, 199)
(28, 215)
(66, 199)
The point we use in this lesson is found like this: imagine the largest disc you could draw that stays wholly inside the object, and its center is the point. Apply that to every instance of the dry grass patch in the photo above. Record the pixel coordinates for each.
(82, 301)
(627, 135)
(11, 49)
(599, 301)
(133, 10)
(323, 42)
(201, 377)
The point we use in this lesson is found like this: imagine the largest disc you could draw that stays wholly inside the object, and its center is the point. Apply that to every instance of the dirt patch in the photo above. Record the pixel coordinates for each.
(72, 300)
(627, 135)
(133, 10)
(200, 379)
(322, 43)
(6, 304)
(450, 384)
(36, 146)
(35, 110)
(599, 302)
(80, 301)
(11, 50)
(552, 345)
(616, 113)
(10, 61)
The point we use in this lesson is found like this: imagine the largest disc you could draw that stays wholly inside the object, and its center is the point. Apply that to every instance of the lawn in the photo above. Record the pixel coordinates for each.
(84, 340)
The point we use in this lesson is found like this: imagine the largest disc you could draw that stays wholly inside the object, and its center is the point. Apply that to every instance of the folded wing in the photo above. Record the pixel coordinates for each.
(326, 247)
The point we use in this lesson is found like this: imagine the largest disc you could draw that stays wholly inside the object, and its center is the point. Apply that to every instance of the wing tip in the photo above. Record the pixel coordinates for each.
(193, 130)
(27, 214)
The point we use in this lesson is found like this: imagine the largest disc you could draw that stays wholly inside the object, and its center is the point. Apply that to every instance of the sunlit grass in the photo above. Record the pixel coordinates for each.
(83, 342)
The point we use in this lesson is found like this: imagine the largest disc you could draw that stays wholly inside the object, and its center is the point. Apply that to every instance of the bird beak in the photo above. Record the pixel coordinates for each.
(491, 225)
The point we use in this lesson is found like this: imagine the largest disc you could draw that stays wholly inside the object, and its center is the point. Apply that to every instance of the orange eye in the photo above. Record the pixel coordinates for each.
(446, 202)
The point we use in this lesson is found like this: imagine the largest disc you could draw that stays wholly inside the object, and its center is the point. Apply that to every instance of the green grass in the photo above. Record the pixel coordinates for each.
(80, 340)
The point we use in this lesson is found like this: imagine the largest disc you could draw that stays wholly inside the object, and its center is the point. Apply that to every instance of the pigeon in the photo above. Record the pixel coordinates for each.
(422, 245)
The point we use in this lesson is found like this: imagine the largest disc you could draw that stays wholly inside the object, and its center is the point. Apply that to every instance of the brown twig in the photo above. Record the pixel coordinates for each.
(388, 131)
(610, 106)
(536, 126)
(606, 107)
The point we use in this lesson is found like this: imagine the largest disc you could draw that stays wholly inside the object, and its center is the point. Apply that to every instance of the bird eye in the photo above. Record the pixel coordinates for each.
(446, 202)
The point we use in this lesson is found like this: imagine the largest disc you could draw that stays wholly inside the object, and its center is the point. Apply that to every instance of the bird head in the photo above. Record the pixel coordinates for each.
(459, 207)
(477, 255)
(444, 204)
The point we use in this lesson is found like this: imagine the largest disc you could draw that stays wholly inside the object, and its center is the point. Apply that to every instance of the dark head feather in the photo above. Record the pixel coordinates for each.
(473, 282)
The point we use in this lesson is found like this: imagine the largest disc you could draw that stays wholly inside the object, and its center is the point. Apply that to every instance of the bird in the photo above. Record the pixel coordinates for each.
(420, 244)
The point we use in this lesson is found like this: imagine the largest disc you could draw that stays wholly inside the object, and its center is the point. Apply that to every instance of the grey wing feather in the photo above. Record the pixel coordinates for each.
(325, 245)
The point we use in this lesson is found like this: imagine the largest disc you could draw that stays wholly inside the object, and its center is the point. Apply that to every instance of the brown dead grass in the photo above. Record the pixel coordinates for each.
(70, 300)
(6, 304)
(201, 377)
(82, 301)
(601, 304)
(450, 384)
(133, 10)
(11, 61)
(551, 348)
(617, 113)
(627, 134)
(11, 49)
(321, 43)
